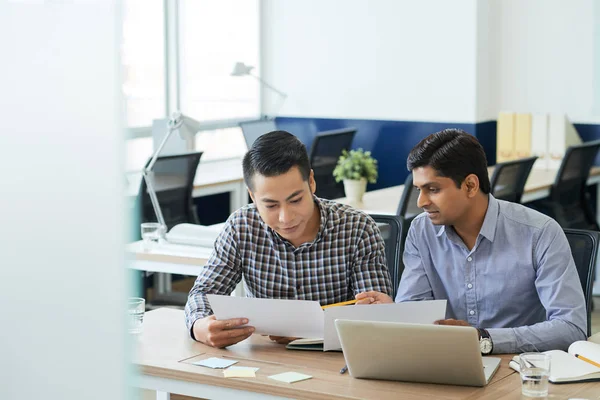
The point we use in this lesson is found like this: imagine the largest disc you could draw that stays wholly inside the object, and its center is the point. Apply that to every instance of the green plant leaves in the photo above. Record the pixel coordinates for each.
(356, 164)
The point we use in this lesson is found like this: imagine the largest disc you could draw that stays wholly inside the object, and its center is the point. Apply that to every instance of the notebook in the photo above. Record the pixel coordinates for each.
(415, 353)
(565, 367)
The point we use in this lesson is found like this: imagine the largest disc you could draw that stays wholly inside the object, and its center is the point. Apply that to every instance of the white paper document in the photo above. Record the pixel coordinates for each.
(306, 319)
(412, 312)
(292, 318)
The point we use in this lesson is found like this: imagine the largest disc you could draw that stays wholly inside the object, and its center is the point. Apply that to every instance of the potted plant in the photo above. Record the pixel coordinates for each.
(355, 168)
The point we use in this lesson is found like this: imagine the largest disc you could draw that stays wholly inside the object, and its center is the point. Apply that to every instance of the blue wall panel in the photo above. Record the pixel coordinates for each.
(389, 141)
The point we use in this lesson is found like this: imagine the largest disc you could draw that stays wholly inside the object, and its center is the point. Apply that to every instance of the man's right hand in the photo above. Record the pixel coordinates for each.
(215, 333)
(373, 298)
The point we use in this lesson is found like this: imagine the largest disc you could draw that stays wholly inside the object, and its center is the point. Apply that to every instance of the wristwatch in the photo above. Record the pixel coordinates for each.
(485, 342)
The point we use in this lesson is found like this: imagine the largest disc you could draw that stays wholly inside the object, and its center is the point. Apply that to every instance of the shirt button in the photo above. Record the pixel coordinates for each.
(470, 259)
(472, 312)
(469, 286)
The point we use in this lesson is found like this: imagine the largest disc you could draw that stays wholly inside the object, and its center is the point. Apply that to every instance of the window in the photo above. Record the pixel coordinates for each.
(213, 36)
(143, 56)
(210, 37)
(221, 143)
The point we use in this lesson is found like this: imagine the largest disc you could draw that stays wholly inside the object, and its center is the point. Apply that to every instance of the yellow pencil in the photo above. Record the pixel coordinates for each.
(587, 360)
(343, 303)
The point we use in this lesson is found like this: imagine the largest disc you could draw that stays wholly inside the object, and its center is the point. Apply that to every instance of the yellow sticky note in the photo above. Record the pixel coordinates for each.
(239, 373)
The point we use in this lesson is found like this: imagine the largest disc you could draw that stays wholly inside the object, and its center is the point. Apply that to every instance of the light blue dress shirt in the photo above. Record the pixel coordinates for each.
(519, 281)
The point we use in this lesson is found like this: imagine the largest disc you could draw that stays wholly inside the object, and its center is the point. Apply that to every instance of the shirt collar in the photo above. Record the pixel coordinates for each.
(488, 228)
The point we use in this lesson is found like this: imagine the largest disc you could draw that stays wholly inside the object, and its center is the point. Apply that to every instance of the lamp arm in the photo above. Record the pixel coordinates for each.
(279, 92)
(148, 178)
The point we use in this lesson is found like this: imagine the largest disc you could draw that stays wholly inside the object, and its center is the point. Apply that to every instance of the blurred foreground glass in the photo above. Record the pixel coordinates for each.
(535, 370)
(135, 310)
(151, 233)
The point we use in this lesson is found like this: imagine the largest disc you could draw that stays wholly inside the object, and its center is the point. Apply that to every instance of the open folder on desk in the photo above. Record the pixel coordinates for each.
(305, 319)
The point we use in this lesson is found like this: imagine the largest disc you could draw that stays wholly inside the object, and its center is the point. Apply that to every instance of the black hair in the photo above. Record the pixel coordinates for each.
(454, 154)
(275, 153)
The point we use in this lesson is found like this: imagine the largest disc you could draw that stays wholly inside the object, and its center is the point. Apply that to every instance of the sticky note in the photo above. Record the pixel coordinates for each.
(236, 367)
(215, 362)
(239, 373)
(290, 377)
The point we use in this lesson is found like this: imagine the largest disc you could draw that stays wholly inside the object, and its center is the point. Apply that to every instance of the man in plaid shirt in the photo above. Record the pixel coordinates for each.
(289, 244)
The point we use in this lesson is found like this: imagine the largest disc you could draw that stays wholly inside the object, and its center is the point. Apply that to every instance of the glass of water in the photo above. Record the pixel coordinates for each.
(136, 309)
(535, 370)
(151, 234)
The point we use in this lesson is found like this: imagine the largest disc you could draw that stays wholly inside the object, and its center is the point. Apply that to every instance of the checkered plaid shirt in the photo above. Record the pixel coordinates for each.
(347, 257)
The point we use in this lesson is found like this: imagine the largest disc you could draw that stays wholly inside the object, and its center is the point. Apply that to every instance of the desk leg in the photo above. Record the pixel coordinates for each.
(163, 395)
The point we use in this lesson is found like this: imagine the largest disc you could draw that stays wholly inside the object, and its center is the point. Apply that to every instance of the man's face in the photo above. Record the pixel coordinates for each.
(444, 203)
(285, 203)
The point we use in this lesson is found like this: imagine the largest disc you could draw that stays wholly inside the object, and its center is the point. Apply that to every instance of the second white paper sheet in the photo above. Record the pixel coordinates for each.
(412, 312)
(292, 318)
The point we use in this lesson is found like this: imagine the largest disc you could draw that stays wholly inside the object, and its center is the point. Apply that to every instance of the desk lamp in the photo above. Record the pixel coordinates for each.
(187, 127)
(241, 69)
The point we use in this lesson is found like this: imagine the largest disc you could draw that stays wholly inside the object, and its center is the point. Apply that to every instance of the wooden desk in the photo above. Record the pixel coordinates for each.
(212, 177)
(164, 354)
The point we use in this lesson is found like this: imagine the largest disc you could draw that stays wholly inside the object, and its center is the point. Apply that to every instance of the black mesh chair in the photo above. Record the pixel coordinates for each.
(584, 247)
(407, 208)
(568, 202)
(174, 183)
(391, 231)
(324, 154)
(509, 178)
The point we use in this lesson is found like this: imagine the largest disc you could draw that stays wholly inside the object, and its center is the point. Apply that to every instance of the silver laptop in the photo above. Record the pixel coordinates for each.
(414, 353)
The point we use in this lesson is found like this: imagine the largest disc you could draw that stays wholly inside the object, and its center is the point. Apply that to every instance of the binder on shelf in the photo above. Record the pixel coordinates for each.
(539, 140)
(522, 135)
(505, 137)
(561, 135)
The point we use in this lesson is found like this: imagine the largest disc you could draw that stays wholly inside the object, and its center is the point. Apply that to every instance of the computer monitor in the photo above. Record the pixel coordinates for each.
(325, 151)
(253, 129)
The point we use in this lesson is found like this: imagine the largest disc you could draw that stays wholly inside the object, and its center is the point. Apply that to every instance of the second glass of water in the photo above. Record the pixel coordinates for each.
(135, 310)
(535, 370)
(151, 234)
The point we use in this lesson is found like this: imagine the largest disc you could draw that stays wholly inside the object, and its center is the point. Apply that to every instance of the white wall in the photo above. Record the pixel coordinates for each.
(432, 60)
(62, 290)
(384, 59)
(540, 57)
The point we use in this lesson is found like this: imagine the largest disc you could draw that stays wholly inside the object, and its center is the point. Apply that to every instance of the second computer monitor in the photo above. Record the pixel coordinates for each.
(253, 129)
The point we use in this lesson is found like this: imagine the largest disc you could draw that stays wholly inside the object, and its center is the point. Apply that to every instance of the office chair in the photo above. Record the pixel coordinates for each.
(407, 208)
(568, 202)
(509, 178)
(174, 183)
(584, 248)
(324, 154)
(391, 231)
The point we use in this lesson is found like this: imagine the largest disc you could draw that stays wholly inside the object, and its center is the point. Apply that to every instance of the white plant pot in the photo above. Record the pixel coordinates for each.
(355, 189)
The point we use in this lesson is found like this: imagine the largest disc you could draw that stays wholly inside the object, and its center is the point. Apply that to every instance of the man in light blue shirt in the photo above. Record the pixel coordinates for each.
(504, 269)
